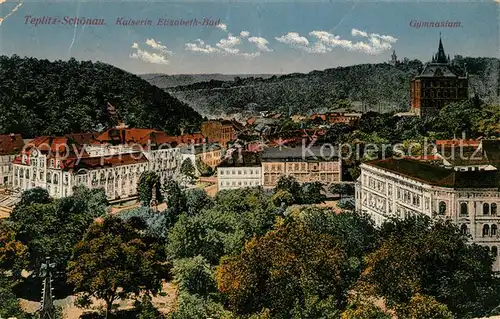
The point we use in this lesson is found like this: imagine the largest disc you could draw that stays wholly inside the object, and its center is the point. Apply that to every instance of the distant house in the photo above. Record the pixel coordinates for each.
(337, 117)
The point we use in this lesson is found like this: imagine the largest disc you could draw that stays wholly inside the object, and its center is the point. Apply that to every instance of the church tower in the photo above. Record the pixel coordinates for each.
(439, 84)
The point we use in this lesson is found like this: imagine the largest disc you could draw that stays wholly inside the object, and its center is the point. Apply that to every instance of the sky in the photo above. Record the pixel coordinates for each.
(253, 36)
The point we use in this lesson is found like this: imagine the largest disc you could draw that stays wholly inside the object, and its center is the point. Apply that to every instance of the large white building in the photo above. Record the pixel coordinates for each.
(240, 169)
(466, 193)
(113, 160)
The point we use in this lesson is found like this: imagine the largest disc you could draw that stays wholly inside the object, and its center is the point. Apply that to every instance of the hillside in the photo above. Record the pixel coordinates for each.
(40, 97)
(167, 81)
(379, 87)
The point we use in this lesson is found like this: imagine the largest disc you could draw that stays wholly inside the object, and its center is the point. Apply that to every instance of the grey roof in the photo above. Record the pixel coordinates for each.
(305, 153)
(438, 70)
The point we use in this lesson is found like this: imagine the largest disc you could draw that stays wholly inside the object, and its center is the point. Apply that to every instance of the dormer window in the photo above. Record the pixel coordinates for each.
(51, 163)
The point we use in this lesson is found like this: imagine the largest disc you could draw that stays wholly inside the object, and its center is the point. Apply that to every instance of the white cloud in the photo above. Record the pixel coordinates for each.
(325, 42)
(158, 46)
(201, 47)
(151, 57)
(222, 26)
(294, 39)
(261, 43)
(228, 45)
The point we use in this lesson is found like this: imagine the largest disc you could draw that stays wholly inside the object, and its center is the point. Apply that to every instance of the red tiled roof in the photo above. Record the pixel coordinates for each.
(83, 138)
(105, 161)
(124, 135)
(11, 144)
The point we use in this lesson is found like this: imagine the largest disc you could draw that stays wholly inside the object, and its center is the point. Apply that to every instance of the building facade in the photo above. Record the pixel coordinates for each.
(240, 169)
(305, 164)
(438, 84)
(220, 131)
(112, 160)
(10, 146)
(405, 187)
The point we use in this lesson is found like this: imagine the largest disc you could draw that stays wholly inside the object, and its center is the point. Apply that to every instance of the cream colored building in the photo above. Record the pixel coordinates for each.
(305, 164)
(405, 187)
(239, 170)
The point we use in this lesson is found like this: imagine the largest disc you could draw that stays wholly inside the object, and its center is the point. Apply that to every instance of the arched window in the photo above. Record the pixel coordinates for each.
(486, 209)
(486, 230)
(463, 229)
(463, 209)
(493, 231)
(494, 251)
(442, 208)
(493, 209)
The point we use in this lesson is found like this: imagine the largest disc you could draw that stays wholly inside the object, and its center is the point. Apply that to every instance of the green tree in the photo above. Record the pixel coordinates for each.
(311, 193)
(9, 303)
(236, 216)
(147, 181)
(438, 262)
(292, 258)
(424, 307)
(52, 229)
(204, 169)
(35, 195)
(364, 310)
(145, 308)
(289, 184)
(282, 197)
(113, 261)
(196, 200)
(13, 254)
(194, 275)
(175, 198)
(187, 169)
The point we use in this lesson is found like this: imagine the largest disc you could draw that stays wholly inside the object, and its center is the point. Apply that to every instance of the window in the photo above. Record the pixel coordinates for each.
(442, 208)
(494, 251)
(486, 230)
(486, 209)
(463, 209)
(493, 231)
(463, 229)
(493, 209)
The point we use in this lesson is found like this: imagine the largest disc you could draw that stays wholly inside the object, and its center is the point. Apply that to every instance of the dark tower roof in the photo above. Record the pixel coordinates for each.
(441, 56)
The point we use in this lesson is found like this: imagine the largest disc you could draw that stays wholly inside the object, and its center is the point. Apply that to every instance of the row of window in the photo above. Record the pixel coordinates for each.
(240, 183)
(240, 171)
(487, 230)
(488, 209)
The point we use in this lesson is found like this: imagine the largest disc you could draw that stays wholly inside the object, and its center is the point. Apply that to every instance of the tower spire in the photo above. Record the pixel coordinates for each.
(441, 56)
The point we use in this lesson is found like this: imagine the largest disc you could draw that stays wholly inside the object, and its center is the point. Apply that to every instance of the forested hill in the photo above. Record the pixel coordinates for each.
(40, 97)
(379, 87)
(167, 81)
